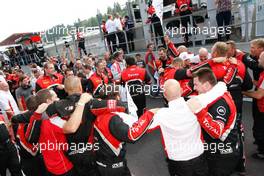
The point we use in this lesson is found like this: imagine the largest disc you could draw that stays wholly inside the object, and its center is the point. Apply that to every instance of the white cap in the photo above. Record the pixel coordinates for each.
(184, 56)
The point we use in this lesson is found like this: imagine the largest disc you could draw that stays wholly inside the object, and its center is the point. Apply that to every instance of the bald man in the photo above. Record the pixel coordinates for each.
(181, 131)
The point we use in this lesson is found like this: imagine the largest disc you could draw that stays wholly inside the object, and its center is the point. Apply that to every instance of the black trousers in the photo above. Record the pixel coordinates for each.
(84, 163)
(222, 165)
(157, 29)
(9, 160)
(193, 167)
(33, 166)
(122, 41)
(112, 39)
(223, 18)
(242, 158)
(140, 101)
(185, 20)
(130, 40)
(81, 47)
(109, 171)
(69, 173)
(258, 127)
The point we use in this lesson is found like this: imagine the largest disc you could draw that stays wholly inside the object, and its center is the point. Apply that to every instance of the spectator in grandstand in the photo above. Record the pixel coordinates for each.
(250, 11)
(120, 33)
(184, 9)
(129, 25)
(111, 29)
(223, 17)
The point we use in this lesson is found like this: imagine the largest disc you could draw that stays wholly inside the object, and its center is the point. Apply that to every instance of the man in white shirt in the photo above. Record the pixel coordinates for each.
(119, 32)
(8, 104)
(181, 131)
(111, 29)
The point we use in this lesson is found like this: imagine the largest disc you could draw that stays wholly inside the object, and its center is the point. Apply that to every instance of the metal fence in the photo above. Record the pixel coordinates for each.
(97, 44)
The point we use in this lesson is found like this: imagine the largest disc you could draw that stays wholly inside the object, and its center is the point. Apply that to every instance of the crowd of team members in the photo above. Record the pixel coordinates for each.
(72, 102)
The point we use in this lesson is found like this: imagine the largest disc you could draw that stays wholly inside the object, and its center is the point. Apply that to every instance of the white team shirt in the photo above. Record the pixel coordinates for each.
(110, 26)
(181, 131)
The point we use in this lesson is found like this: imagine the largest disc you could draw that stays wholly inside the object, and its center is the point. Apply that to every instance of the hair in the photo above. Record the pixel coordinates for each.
(21, 78)
(98, 62)
(232, 43)
(43, 95)
(46, 65)
(116, 54)
(204, 75)
(162, 49)
(67, 70)
(130, 60)
(138, 55)
(149, 45)
(32, 103)
(221, 49)
(177, 60)
(259, 42)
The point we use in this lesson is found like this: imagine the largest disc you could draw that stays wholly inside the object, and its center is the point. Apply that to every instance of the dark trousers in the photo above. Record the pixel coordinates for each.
(81, 47)
(112, 39)
(222, 165)
(109, 171)
(84, 163)
(9, 160)
(185, 20)
(193, 167)
(140, 101)
(33, 166)
(130, 40)
(158, 29)
(121, 40)
(69, 173)
(258, 127)
(223, 18)
(242, 158)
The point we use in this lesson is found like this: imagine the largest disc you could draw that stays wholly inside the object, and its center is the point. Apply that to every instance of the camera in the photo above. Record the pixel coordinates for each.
(66, 44)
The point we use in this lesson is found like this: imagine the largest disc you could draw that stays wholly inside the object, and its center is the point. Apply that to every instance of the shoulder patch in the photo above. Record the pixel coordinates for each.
(221, 110)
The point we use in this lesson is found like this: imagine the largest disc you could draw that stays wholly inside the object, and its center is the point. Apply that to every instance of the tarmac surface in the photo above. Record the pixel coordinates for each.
(147, 158)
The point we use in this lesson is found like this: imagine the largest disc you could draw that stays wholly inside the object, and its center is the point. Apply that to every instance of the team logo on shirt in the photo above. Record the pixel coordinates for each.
(221, 110)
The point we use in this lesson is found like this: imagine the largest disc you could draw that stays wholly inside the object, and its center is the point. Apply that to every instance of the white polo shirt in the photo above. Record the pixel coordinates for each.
(110, 26)
(181, 132)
